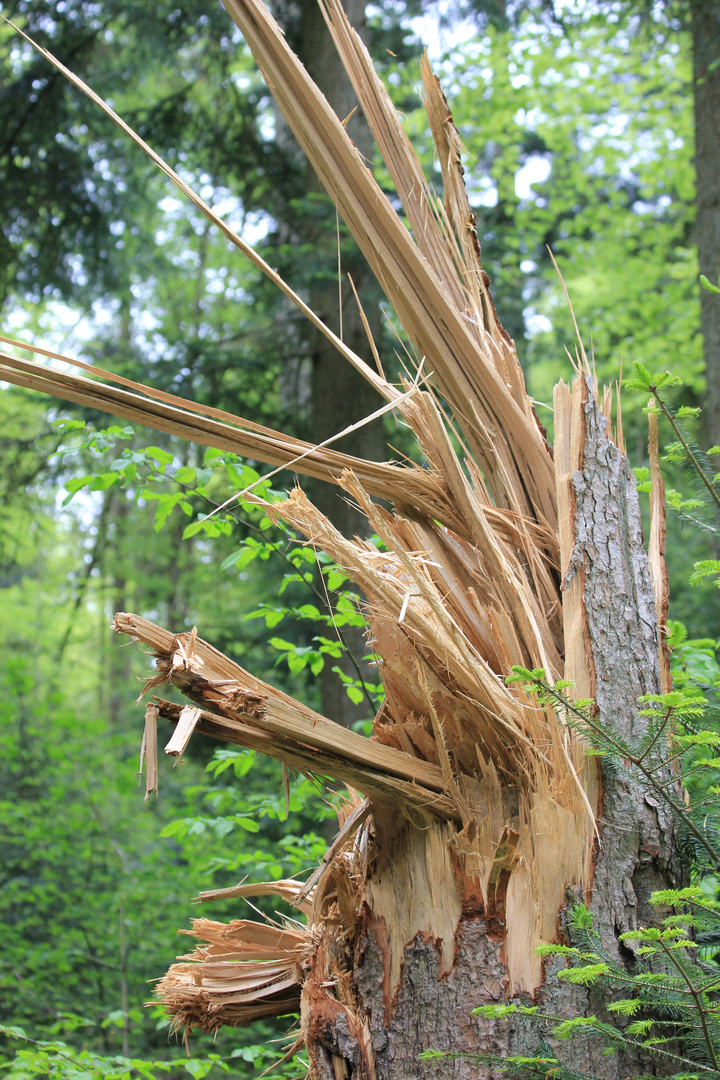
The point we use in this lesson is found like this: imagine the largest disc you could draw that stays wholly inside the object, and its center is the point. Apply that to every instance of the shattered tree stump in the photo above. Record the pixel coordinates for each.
(473, 813)
(458, 863)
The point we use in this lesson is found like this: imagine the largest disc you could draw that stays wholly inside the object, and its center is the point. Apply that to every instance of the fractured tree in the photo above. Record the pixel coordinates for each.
(479, 809)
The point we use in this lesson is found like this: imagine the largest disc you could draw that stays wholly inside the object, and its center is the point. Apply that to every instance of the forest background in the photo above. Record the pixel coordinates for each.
(578, 123)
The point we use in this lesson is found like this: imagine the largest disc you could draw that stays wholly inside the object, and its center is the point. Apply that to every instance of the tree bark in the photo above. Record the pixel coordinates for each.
(705, 30)
(414, 988)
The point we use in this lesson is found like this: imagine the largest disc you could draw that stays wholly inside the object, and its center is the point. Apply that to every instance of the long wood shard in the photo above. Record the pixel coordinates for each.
(223, 431)
(509, 445)
(237, 707)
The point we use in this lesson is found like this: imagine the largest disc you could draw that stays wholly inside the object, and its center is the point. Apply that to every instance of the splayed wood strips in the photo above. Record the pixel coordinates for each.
(496, 429)
(242, 972)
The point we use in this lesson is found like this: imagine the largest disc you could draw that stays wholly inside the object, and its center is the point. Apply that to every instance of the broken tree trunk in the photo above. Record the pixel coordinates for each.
(478, 823)
(473, 813)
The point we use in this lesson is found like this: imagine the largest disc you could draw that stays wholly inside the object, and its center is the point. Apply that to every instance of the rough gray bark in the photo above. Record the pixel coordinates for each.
(705, 30)
(638, 851)
(431, 1005)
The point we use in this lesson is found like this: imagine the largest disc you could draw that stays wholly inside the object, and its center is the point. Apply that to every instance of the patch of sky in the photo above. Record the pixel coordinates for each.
(442, 36)
(530, 118)
(534, 171)
(481, 190)
(170, 204)
(520, 80)
(268, 123)
(535, 323)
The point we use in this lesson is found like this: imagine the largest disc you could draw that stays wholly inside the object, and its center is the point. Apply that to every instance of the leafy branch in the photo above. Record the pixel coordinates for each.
(142, 469)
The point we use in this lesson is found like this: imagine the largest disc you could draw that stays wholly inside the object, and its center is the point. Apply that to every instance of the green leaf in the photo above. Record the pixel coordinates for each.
(166, 505)
(248, 824)
(336, 579)
(501, 1012)
(232, 559)
(705, 568)
(198, 1069)
(568, 1028)
(676, 896)
(639, 1027)
(184, 475)
(70, 425)
(162, 457)
(556, 950)
(192, 529)
(75, 485)
(584, 976)
(174, 828)
(641, 379)
(103, 481)
(296, 662)
(211, 455)
(625, 1007)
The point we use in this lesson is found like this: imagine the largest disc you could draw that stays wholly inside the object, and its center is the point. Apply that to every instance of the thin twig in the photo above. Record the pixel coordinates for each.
(677, 430)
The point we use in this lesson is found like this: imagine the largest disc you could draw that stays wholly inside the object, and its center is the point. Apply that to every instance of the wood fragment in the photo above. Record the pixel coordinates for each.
(347, 831)
(243, 972)
(187, 722)
(415, 797)
(569, 448)
(500, 433)
(500, 873)
(656, 552)
(287, 889)
(223, 431)
(148, 753)
(216, 682)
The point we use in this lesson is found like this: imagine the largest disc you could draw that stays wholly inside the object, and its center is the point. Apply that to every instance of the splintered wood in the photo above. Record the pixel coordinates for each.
(245, 971)
(484, 798)
(471, 808)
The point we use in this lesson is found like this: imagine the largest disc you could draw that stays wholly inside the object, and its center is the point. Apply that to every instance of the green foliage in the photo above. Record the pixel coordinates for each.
(232, 489)
(82, 862)
(675, 995)
(669, 752)
(40, 1058)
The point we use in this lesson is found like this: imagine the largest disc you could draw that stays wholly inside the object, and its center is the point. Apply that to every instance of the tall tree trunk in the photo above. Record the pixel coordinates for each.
(340, 396)
(705, 29)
